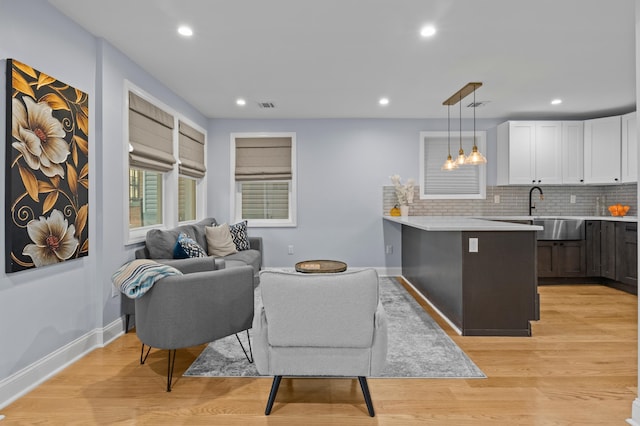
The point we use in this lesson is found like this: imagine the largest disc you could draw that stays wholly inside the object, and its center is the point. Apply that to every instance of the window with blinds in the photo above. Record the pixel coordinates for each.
(264, 179)
(464, 182)
(166, 154)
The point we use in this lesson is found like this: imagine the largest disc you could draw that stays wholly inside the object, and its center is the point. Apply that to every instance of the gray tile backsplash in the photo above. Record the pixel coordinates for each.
(514, 201)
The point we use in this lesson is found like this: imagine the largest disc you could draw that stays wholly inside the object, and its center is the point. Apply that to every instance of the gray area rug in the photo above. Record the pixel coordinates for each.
(418, 347)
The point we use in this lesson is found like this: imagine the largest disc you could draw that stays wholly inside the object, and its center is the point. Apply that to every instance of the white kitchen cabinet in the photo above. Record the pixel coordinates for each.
(602, 150)
(572, 152)
(629, 158)
(529, 152)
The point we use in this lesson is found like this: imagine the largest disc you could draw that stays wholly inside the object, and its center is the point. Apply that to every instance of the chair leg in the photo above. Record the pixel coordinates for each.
(143, 357)
(367, 395)
(249, 356)
(170, 363)
(126, 323)
(272, 395)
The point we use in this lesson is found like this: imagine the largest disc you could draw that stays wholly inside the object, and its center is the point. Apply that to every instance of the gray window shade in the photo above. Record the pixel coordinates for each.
(464, 180)
(263, 158)
(191, 151)
(150, 136)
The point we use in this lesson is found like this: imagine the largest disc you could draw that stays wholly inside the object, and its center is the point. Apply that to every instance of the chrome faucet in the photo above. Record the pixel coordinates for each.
(531, 205)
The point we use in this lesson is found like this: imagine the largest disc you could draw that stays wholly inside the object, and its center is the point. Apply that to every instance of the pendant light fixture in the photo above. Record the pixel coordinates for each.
(449, 164)
(475, 158)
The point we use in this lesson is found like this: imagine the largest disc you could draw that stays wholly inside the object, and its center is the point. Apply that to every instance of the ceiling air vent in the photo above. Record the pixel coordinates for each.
(266, 105)
(477, 104)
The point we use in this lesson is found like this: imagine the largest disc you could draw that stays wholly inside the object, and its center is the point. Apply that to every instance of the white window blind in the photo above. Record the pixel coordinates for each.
(464, 182)
(265, 200)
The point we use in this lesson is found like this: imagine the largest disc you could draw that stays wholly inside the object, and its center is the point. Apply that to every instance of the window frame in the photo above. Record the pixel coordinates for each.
(235, 211)
(170, 179)
(195, 195)
(467, 142)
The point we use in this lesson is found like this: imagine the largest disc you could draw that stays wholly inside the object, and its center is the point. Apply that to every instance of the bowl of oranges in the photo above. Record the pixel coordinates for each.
(618, 209)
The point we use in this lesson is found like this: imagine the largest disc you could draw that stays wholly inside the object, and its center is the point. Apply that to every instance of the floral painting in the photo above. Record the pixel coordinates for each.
(47, 185)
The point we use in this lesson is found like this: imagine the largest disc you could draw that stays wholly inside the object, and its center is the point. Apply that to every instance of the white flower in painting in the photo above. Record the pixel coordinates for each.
(403, 192)
(40, 136)
(53, 240)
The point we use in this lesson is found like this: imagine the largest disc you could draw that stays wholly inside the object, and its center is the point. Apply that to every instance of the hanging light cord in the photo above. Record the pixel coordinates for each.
(449, 129)
(460, 118)
(474, 115)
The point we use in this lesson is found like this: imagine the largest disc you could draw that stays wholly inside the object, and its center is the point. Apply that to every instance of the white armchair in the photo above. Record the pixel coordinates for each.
(320, 325)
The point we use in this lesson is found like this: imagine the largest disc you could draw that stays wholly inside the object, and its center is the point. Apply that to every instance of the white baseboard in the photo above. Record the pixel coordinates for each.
(27, 379)
(635, 413)
(443, 316)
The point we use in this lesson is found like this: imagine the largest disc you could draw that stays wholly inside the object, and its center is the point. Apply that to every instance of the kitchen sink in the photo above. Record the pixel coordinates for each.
(560, 229)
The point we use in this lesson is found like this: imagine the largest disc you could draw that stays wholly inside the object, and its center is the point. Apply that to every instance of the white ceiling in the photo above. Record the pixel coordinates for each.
(336, 58)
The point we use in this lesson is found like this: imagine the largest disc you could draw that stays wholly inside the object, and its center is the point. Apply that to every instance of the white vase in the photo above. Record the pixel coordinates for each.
(404, 210)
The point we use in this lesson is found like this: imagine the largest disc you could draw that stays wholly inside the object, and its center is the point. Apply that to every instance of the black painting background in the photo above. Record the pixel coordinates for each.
(20, 207)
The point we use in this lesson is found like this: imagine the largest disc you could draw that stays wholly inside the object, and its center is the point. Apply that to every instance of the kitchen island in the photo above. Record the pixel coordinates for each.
(479, 274)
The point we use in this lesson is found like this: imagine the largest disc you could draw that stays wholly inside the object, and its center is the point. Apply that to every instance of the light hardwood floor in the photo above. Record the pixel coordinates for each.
(579, 368)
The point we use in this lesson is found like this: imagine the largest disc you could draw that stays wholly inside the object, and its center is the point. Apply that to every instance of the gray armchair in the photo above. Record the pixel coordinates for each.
(199, 307)
(320, 325)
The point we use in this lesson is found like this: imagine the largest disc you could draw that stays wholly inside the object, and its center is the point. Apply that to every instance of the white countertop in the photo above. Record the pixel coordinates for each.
(459, 223)
(607, 218)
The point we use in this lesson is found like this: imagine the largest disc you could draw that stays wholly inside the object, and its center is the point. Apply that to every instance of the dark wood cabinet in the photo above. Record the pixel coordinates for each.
(561, 259)
(608, 255)
(489, 292)
(546, 260)
(608, 249)
(626, 251)
(592, 237)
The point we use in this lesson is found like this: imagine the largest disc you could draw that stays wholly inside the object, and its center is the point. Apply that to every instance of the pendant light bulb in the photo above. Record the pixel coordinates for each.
(475, 158)
(449, 164)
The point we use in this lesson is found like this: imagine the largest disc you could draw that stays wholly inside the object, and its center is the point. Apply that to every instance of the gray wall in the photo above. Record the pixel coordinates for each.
(43, 312)
(343, 165)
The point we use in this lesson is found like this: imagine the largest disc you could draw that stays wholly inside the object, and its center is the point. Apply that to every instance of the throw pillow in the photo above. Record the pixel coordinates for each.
(187, 247)
(239, 235)
(219, 240)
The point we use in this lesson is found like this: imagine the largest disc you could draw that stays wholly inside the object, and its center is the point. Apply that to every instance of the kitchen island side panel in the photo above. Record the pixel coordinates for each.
(432, 261)
(500, 283)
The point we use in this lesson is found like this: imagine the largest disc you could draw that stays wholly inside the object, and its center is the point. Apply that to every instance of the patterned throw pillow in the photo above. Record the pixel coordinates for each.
(187, 247)
(239, 235)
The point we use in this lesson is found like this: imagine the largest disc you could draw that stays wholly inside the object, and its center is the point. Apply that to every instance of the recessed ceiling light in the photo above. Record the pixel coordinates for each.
(241, 102)
(556, 102)
(185, 31)
(428, 31)
(383, 101)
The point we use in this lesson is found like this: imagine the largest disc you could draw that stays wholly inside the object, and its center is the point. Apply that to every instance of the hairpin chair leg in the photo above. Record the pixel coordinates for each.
(143, 356)
(272, 395)
(367, 395)
(249, 356)
(170, 363)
